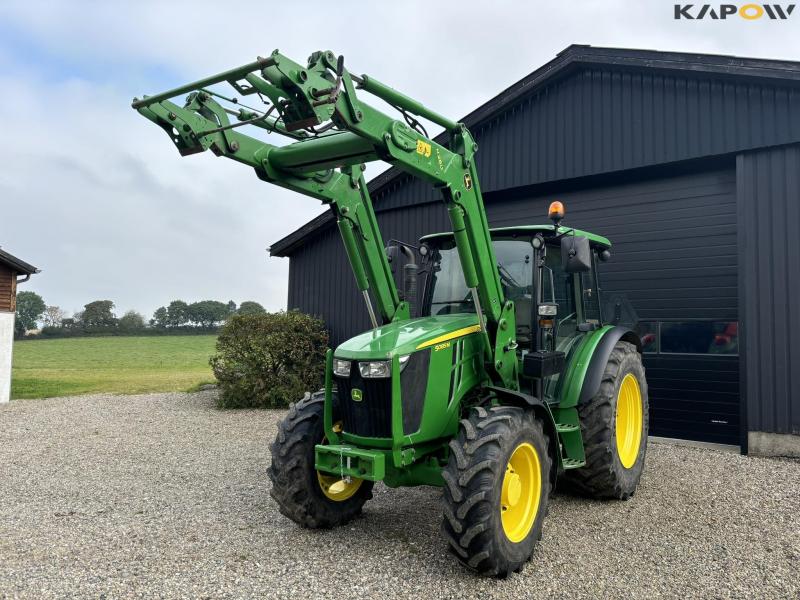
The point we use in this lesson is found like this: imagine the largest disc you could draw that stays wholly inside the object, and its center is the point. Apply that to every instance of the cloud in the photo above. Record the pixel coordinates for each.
(99, 199)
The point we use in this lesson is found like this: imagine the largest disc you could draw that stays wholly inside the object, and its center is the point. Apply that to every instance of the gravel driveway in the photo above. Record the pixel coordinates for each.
(164, 496)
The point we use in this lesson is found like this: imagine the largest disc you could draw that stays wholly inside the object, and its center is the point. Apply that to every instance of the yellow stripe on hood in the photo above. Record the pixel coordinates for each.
(450, 336)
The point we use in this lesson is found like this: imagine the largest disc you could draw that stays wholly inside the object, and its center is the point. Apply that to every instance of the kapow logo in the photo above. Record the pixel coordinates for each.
(750, 12)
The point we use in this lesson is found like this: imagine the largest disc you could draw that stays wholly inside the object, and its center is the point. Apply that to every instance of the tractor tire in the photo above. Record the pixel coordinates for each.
(309, 498)
(496, 490)
(614, 426)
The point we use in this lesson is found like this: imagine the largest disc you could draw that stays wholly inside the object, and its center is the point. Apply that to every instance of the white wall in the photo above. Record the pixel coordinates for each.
(6, 344)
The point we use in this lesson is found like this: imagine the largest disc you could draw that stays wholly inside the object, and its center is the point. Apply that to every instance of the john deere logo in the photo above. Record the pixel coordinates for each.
(749, 12)
(356, 395)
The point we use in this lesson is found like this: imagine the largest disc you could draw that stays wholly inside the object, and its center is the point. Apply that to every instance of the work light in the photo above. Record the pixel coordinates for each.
(341, 367)
(548, 309)
(375, 369)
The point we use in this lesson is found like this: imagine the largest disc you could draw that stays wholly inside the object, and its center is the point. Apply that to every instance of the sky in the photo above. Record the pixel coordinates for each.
(98, 198)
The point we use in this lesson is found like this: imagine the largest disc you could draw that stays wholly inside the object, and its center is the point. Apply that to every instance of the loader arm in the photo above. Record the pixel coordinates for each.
(335, 133)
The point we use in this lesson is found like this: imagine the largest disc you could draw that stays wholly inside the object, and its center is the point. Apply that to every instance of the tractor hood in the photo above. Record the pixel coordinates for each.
(404, 337)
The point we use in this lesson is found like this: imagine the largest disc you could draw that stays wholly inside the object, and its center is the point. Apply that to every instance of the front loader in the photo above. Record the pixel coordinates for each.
(495, 379)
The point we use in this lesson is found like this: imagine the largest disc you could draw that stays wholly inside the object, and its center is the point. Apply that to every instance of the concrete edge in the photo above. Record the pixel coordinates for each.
(764, 443)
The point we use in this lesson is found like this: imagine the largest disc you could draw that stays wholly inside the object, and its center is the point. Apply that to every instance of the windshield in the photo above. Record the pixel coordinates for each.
(451, 295)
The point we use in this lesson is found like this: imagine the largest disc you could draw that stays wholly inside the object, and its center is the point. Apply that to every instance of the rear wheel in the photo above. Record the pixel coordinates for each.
(614, 425)
(497, 486)
(309, 497)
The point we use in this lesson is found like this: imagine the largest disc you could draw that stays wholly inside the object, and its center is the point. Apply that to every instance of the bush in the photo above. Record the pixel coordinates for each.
(269, 360)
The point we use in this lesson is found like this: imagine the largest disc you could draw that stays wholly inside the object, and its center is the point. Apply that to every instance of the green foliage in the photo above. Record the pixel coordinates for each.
(248, 307)
(268, 360)
(160, 317)
(177, 313)
(30, 308)
(231, 307)
(207, 313)
(99, 314)
(131, 322)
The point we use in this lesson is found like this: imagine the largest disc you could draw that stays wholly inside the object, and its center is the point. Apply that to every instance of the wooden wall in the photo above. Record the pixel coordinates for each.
(8, 289)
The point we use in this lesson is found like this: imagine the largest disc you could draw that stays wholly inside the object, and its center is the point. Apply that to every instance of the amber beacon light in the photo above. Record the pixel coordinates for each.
(556, 211)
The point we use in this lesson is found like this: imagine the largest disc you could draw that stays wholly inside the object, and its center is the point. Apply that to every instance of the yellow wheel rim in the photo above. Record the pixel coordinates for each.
(521, 493)
(336, 488)
(629, 420)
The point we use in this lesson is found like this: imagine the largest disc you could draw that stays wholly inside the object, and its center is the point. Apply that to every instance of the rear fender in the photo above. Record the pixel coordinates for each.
(602, 352)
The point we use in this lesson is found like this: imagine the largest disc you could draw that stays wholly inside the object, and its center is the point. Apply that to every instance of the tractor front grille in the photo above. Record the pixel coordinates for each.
(372, 415)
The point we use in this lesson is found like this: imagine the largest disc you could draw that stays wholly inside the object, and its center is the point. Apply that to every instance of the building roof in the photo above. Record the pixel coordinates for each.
(20, 266)
(572, 58)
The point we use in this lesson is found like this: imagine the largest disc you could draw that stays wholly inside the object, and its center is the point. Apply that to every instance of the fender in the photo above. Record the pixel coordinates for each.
(542, 411)
(600, 356)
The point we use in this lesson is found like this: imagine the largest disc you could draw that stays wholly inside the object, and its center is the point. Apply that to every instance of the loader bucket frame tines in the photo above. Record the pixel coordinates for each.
(335, 133)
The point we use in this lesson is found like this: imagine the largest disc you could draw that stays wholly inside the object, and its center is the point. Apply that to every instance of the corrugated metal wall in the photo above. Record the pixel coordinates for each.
(769, 258)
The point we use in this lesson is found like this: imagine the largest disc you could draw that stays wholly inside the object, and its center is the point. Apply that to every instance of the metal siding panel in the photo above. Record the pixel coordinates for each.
(681, 118)
(586, 140)
(693, 115)
(595, 141)
(768, 192)
(792, 222)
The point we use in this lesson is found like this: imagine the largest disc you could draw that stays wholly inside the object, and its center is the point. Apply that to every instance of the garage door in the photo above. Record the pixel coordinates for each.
(674, 257)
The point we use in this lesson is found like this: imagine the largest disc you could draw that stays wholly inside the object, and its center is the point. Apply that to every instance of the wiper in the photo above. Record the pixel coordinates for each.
(508, 277)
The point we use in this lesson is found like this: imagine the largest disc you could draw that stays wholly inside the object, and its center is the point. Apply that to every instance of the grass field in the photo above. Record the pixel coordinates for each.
(123, 365)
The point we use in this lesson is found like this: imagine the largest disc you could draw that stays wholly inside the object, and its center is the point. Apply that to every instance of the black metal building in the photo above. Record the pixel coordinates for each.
(690, 164)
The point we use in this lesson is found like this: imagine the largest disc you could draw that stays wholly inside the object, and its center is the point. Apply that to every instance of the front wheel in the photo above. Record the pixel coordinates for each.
(497, 485)
(309, 497)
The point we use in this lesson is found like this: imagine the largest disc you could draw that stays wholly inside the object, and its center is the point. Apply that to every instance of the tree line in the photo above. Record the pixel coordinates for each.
(99, 317)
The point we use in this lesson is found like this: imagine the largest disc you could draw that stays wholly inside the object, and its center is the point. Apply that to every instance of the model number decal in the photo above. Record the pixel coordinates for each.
(438, 347)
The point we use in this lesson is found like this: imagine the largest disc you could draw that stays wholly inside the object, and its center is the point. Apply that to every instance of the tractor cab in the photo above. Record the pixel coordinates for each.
(548, 272)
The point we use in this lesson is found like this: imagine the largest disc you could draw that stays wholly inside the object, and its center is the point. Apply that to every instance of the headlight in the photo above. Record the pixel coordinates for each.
(341, 367)
(374, 369)
(548, 309)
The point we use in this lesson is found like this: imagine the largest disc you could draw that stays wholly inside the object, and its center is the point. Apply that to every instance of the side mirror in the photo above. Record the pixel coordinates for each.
(576, 257)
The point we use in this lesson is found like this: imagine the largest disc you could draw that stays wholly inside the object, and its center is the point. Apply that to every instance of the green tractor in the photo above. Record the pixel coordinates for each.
(495, 379)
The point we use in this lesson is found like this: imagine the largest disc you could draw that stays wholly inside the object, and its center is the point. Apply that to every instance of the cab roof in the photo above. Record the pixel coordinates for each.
(598, 241)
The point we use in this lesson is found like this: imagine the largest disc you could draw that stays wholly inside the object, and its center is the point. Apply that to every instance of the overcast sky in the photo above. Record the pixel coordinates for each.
(97, 197)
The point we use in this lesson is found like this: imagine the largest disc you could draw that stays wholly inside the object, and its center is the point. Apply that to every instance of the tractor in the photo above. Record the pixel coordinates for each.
(490, 370)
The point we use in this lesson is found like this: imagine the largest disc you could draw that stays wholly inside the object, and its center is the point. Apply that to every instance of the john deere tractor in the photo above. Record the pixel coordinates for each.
(489, 371)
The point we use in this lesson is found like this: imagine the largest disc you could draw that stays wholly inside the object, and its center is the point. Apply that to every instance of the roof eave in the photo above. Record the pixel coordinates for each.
(16, 264)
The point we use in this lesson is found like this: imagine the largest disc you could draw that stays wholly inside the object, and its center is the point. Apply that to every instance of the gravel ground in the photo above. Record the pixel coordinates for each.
(164, 496)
